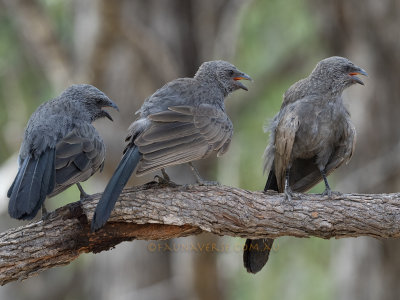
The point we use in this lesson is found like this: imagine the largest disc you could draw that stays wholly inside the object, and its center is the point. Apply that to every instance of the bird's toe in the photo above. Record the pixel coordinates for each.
(208, 183)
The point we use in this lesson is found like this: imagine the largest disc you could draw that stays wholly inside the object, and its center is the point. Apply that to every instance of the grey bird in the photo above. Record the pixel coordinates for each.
(310, 137)
(60, 148)
(183, 121)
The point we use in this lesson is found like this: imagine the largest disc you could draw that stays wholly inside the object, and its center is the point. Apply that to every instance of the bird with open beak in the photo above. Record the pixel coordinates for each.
(183, 121)
(60, 148)
(310, 137)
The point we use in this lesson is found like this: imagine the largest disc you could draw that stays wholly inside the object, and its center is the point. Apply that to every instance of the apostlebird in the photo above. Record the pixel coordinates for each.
(310, 137)
(60, 148)
(183, 121)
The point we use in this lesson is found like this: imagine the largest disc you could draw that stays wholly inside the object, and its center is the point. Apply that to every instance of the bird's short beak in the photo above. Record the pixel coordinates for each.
(358, 71)
(107, 115)
(242, 76)
(109, 103)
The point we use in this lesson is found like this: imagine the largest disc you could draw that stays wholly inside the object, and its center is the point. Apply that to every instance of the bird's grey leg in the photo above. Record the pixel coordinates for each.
(83, 193)
(328, 191)
(44, 212)
(165, 175)
(164, 179)
(288, 190)
(200, 180)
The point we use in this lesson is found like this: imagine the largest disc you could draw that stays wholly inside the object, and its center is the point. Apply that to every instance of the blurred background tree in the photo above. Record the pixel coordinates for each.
(128, 49)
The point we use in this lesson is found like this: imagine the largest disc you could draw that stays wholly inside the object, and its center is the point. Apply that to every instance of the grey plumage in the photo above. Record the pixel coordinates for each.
(60, 147)
(310, 137)
(183, 121)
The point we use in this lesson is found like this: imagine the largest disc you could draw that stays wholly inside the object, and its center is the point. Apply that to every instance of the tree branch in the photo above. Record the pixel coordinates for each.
(154, 212)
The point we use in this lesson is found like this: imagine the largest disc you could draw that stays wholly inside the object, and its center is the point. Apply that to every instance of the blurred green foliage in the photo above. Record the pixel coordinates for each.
(297, 269)
(60, 13)
(272, 30)
(22, 88)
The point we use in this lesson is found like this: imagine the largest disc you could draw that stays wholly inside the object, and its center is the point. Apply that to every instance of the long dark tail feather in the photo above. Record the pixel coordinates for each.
(18, 178)
(34, 181)
(114, 187)
(12, 186)
(48, 180)
(256, 252)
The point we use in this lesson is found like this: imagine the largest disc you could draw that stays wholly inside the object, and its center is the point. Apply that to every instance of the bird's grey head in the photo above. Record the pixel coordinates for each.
(92, 99)
(226, 74)
(338, 73)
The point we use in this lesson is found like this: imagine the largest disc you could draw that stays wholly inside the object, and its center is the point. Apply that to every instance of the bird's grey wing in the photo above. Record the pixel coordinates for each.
(78, 156)
(183, 134)
(285, 134)
(305, 173)
(296, 92)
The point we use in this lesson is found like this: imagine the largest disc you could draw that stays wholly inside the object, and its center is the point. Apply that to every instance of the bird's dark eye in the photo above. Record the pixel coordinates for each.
(230, 73)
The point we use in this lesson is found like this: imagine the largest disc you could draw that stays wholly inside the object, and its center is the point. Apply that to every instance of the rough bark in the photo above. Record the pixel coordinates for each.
(154, 212)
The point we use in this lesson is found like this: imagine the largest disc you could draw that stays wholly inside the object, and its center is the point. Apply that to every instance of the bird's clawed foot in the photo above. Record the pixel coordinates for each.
(330, 193)
(200, 180)
(327, 192)
(83, 193)
(45, 214)
(165, 175)
(208, 182)
(288, 194)
(165, 180)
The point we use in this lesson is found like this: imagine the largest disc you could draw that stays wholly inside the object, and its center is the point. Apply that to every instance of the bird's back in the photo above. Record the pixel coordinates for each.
(80, 151)
(46, 126)
(181, 91)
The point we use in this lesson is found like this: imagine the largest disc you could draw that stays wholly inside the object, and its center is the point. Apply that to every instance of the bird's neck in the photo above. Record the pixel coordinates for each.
(213, 86)
(326, 87)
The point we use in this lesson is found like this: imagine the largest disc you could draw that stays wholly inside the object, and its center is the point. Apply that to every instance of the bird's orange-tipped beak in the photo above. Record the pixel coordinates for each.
(354, 74)
(243, 76)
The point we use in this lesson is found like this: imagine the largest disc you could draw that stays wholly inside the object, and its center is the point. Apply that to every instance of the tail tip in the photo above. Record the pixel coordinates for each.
(95, 226)
(21, 215)
(256, 254)
(252, 269)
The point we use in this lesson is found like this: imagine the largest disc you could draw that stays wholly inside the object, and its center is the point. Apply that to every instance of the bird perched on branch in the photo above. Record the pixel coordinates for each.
(60, 148)
(310, 137)
(183, 121)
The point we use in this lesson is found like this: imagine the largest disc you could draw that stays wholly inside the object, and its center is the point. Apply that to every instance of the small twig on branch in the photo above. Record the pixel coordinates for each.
(155, 212)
